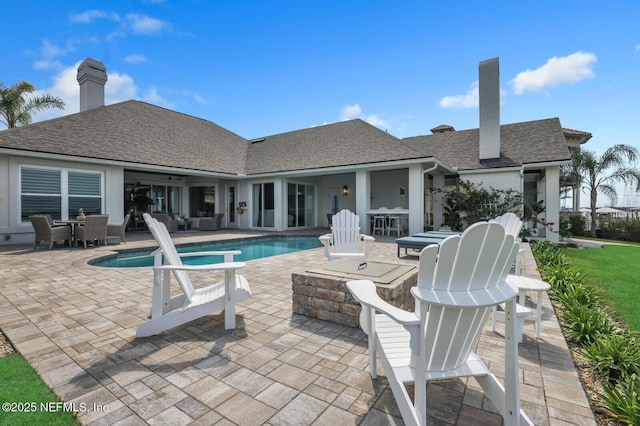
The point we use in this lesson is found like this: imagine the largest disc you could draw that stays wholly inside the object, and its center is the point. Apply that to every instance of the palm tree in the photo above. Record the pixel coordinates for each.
(570, 177)
(16, 108)
(601, 173)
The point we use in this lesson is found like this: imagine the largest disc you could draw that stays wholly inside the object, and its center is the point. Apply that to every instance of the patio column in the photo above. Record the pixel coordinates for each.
(363, 195)
(416, 199)
(552, 201)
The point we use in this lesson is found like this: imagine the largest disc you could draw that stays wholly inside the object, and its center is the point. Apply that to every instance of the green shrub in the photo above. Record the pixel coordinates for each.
(547, 254)
(623, 399)
(564, 279)
(577, 225)
(631, 229)
(619, 229)
(621, 350)
(569, 289)
(586, 324)
(610, 229)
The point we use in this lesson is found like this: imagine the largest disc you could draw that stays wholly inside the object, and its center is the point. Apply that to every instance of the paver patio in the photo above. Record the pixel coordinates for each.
(76, 323)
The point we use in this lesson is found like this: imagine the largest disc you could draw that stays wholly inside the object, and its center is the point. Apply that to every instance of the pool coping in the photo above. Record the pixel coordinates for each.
(117, 252)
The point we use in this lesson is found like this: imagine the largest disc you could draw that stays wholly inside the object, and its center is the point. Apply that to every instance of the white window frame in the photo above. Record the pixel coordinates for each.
(64, 187)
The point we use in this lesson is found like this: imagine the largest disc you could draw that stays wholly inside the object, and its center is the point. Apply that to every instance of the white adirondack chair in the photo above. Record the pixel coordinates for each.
(345, 239)
(512, 225)
(167, 311)
(459, 281)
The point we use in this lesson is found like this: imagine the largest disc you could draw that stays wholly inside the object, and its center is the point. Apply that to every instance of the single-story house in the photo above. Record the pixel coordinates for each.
(134, 156)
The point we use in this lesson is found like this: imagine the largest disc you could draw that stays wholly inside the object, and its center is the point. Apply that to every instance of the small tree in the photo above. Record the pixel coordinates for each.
(601, 173)
(16, 108)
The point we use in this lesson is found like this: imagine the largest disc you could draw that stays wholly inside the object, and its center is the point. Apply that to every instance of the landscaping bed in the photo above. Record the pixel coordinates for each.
(6, 348)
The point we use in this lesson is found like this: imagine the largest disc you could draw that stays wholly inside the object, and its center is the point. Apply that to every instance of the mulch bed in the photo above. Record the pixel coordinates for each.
(6, 348)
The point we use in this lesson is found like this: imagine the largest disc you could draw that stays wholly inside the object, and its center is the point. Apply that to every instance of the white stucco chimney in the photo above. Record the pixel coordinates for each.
(92, 76)
(489, 94)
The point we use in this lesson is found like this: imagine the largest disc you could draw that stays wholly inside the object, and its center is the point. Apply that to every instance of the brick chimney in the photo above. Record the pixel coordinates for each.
(92, 76)
(489, 93)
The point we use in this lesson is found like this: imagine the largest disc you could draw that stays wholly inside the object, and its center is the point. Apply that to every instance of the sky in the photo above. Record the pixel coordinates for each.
(260, 68)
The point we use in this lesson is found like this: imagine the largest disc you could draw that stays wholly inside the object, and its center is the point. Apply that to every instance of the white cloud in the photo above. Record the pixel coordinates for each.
(119, 87)
(199, 99)
(44, 65)
(374, 120)
(153, 97)
(50, 50)
(90, 15)
(465, 100)
(142, 24)
(135, 59)
(350, 112)
(637, 47)
(65, 86)
(568, 69)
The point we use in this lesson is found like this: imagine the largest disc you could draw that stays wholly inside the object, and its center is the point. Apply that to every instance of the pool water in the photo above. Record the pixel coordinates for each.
(253, 248)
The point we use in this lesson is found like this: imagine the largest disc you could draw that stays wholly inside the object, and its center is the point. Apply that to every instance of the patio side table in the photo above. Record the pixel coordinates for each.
(526, 284)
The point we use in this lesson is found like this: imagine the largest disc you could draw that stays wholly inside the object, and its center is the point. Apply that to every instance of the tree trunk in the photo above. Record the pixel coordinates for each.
(594, 201)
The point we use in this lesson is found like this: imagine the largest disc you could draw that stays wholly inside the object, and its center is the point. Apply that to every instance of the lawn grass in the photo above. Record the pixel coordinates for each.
(615, 271)
(20, 384)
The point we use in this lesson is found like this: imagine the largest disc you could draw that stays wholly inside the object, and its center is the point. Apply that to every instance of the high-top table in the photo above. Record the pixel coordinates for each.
(526, 284)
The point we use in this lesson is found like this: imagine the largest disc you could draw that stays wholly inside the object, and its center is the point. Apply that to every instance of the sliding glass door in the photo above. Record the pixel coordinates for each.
(263, 205)
(300, 205)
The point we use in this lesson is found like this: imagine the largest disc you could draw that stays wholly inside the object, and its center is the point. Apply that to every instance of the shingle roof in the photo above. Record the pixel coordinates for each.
(529, 142)
(136, 132)
(339, 144)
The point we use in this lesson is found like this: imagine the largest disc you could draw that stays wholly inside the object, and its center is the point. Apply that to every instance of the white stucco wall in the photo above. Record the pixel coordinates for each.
(502, 180)
(332, 185)
(385, 188)
(22, 232)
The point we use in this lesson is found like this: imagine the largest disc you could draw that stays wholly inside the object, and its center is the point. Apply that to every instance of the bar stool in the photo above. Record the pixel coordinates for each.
(394, 225)
(378, 224)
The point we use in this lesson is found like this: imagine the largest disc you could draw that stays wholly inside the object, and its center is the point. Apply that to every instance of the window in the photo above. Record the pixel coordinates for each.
(40, 192)
(59, 192)
(85, 192)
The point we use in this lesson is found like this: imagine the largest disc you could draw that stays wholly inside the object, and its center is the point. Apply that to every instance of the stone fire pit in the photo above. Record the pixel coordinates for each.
(322, 293)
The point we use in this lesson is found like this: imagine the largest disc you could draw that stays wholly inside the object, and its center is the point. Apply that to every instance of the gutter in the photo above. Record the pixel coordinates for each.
(116, 163)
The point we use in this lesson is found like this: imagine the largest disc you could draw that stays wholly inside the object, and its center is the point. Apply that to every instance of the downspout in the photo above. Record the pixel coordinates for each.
(522, 187)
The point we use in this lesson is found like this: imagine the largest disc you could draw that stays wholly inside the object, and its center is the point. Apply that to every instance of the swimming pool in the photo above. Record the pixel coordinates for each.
(252, 248)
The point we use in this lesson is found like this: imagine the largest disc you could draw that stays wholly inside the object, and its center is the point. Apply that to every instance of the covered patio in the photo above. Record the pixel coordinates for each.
(76, 323)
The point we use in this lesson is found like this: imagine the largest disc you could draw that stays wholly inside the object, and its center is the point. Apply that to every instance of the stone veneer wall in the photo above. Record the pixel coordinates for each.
(327, 298)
